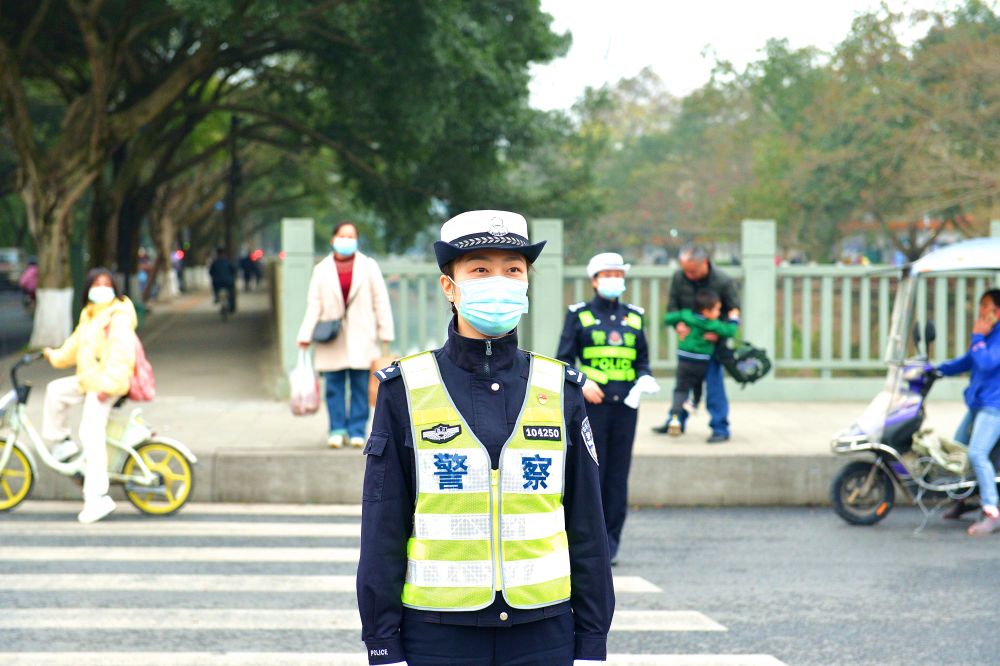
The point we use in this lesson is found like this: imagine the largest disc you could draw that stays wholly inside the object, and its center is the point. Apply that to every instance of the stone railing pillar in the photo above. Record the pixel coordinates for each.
(297, 242)
(758, 314)
(547, 308)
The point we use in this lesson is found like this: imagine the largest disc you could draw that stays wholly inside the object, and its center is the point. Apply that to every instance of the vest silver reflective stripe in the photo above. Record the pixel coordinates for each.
(540, 570)
(421, 371)
(437, 573)
(548, 375)
(476, 480)
(512, 480)
(472, 527)
(531, 525)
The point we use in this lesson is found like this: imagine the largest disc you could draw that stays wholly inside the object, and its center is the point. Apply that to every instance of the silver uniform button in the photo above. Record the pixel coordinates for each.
(504, 616)
(495, 386)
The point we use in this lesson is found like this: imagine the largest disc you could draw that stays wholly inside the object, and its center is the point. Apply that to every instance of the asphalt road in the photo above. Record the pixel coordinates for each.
(15, 324)
(274, 584)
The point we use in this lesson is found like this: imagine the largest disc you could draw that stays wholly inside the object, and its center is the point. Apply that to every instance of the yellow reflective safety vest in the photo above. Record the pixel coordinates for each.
(478, 531)
(611, 354)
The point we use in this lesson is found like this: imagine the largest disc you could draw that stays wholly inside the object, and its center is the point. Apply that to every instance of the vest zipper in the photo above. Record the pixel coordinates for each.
(489, 352)
(495, 505)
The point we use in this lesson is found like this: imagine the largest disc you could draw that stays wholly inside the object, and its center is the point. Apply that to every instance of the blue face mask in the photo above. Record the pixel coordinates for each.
(493, 306)
(611, 287)
(345, 247)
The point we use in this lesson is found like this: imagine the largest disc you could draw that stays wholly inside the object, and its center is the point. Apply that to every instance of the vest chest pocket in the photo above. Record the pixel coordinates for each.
(374, 468)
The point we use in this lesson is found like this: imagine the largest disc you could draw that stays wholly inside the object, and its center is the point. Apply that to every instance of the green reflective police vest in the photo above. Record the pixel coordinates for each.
(476, 530)
(608, 358)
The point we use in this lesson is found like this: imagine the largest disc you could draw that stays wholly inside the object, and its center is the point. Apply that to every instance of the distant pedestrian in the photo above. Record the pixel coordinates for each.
(347, 315)
(694, 352)
(223, 275)
(248, 270)
(697, 272)
(607, 336)
(102, 348)
(28, 282)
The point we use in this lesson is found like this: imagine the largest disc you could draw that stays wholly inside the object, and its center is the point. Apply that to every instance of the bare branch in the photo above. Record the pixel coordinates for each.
(15, 103)
(30, 32)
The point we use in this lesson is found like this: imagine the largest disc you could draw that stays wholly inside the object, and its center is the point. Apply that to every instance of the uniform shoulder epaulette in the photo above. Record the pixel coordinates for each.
(576, 307)
(574, 376)
(388, 373)
(636, 308)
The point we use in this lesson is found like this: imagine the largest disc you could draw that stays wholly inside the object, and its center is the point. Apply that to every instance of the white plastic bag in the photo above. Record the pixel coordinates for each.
(304, 385)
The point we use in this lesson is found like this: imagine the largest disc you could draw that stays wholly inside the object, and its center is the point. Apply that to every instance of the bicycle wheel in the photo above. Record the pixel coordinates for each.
(16, 480)
(175, 475)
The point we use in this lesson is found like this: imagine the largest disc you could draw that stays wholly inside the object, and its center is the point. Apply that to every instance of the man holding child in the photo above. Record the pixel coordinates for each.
(698, 274)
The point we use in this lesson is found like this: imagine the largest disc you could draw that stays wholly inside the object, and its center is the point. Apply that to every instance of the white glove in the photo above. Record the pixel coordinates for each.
(648, 384)
(645, 384)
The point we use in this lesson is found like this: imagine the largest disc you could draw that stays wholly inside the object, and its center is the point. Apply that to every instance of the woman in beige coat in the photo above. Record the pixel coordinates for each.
(348, 277)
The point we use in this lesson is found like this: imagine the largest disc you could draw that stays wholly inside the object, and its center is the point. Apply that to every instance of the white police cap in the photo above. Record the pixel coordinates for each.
(485, 230)
(606, 261)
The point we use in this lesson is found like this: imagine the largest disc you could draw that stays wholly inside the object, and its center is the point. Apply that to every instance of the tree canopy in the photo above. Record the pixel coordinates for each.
(897, 139)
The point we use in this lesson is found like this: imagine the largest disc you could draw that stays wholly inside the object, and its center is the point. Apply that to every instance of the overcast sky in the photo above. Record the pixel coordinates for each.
(613, 39)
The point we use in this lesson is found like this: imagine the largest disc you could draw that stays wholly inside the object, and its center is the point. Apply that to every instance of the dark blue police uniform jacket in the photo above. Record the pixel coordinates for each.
(487, 380)
(610, 317)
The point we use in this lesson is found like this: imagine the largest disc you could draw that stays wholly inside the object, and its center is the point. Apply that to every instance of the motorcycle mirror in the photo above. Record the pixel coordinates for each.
(930, 332)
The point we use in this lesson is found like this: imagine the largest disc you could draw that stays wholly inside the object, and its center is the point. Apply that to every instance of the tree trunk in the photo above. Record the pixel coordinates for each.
(54, 304)
(163, 233)
(102, 230)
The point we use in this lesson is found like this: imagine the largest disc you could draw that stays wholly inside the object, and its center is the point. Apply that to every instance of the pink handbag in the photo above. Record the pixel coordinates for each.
(142, 385)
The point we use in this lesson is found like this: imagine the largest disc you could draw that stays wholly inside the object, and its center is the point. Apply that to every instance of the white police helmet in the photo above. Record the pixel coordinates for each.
(606, 261)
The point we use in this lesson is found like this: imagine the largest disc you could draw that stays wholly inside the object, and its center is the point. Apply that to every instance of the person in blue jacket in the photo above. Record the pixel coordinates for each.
(980, 428)
(482, 535)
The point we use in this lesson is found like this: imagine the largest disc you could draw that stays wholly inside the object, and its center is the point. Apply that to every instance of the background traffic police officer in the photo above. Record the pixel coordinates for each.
(478, 449)
(608, 337)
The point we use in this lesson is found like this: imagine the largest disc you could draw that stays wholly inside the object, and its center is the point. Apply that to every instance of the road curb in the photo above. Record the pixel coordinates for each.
(335, 477)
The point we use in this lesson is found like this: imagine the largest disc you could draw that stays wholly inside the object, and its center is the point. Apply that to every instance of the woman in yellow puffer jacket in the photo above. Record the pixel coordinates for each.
(103, 350)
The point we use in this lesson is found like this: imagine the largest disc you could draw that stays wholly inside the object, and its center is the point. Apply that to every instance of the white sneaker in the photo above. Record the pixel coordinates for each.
(94, 510)
(65, 450)
(358, 442)
(335, 440)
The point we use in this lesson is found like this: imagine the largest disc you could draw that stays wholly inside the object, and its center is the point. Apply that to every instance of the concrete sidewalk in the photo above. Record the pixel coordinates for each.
(214, 383)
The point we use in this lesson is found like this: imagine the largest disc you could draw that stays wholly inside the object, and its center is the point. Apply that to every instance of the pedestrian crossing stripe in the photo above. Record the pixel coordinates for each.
(328, 659)
(223, 583)
(177, 554)
(204, 508)
(180, 528)
(282, 619)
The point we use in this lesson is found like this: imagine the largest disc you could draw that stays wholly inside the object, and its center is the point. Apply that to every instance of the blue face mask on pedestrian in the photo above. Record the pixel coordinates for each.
(493, 306)
(345, 247)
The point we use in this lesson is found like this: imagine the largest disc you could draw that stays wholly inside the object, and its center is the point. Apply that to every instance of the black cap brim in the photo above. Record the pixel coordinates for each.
(447, 253)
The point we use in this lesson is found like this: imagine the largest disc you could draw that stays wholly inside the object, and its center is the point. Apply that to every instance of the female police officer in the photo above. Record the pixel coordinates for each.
(607, 336)
(482, 541)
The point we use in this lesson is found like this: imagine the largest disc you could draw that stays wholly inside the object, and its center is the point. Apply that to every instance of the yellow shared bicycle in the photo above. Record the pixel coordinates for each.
(157, 472)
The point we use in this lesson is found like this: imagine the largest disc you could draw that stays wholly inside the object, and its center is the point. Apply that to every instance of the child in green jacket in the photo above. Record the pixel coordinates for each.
(694, 351)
